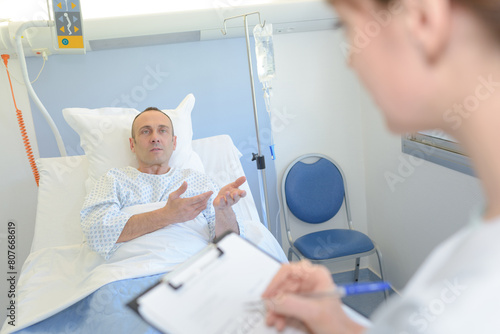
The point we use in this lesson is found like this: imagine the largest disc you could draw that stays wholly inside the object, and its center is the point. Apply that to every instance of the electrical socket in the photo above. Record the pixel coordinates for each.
(45, 53)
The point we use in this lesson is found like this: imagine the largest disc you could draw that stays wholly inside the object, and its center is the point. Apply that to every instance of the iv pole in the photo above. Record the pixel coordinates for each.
(258, 157)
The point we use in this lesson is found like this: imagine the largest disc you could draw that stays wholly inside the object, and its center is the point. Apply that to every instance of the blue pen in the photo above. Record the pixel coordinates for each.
(351, 289)
(340, 292)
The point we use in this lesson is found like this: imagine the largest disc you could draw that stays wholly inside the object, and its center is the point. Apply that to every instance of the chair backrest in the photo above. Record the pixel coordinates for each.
(314, 192)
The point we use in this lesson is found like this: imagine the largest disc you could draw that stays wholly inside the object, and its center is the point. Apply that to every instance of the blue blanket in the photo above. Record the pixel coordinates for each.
(104, 311)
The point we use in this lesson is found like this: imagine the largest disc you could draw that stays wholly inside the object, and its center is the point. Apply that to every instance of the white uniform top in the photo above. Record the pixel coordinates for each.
(102, 218)
(457, 289)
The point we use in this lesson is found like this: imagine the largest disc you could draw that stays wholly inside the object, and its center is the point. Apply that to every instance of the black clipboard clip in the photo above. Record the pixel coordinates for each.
(196, 265)
(186, 283)
(186, 271)
(191, 269)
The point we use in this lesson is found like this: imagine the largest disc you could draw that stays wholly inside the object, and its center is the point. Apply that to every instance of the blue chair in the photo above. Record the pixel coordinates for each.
(314, 192)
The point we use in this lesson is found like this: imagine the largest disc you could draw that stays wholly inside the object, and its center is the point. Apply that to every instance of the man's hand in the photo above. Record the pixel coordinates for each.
(179, 210)
(230, 194)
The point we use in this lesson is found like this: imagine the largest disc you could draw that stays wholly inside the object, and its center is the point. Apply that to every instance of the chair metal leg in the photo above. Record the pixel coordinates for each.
(356, 270)
(379, 256)
(290, 254)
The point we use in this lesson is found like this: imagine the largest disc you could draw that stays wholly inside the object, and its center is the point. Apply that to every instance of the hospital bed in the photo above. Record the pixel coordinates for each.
(66, 287)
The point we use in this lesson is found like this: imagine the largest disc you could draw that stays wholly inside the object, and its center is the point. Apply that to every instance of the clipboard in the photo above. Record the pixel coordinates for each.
(209, 293)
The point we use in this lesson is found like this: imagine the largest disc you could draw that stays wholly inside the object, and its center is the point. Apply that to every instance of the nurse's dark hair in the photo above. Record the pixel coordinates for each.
(150, 109)
(487, 10)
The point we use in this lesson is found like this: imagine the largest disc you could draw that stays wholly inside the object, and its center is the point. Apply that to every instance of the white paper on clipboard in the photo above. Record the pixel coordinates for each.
(207, 294)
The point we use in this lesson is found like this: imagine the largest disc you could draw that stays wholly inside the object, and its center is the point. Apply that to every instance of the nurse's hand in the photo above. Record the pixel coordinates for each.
(320, 315)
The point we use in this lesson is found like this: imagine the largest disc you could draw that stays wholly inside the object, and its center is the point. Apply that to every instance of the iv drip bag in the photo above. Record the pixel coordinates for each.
(264, 51)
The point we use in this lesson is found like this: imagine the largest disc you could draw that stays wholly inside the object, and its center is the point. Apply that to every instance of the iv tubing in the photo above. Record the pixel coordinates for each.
(31, 92)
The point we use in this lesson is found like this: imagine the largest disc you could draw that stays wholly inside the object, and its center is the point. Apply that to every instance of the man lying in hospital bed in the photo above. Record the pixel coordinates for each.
(65, 286)
(193, 198)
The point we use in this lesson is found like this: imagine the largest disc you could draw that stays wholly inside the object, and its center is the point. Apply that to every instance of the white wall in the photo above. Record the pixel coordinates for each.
(320, 95)
(18, 188)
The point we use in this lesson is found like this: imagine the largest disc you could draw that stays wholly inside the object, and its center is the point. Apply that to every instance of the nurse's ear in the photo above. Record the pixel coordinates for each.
(429, 23)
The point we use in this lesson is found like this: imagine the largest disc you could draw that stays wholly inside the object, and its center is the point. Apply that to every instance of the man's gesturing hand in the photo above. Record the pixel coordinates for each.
(179, 210)
(230, 194)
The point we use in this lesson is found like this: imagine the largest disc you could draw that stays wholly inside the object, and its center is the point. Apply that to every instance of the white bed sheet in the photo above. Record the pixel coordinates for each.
(62, 270)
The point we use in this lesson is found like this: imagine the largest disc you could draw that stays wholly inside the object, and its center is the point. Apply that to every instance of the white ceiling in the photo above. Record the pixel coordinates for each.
(146, 22)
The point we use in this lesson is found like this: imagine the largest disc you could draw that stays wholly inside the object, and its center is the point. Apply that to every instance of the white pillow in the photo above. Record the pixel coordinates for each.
(60, 199)
(105, 132)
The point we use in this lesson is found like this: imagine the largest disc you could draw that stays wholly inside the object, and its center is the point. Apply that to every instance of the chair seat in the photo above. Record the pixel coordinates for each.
(333, 243)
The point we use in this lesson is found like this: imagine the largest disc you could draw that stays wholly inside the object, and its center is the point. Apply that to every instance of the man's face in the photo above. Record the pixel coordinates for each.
(154, 142)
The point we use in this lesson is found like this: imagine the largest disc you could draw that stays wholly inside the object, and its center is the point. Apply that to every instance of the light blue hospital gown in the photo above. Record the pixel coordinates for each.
(102, 218)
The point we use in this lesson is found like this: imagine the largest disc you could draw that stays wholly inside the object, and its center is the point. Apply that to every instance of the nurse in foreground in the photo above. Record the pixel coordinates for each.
(435, 65)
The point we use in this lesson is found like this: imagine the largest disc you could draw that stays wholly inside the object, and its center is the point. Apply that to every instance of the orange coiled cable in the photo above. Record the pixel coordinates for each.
(22, 127)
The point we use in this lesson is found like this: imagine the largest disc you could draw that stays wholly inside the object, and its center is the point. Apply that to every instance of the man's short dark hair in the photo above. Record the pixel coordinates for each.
(149, 109)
